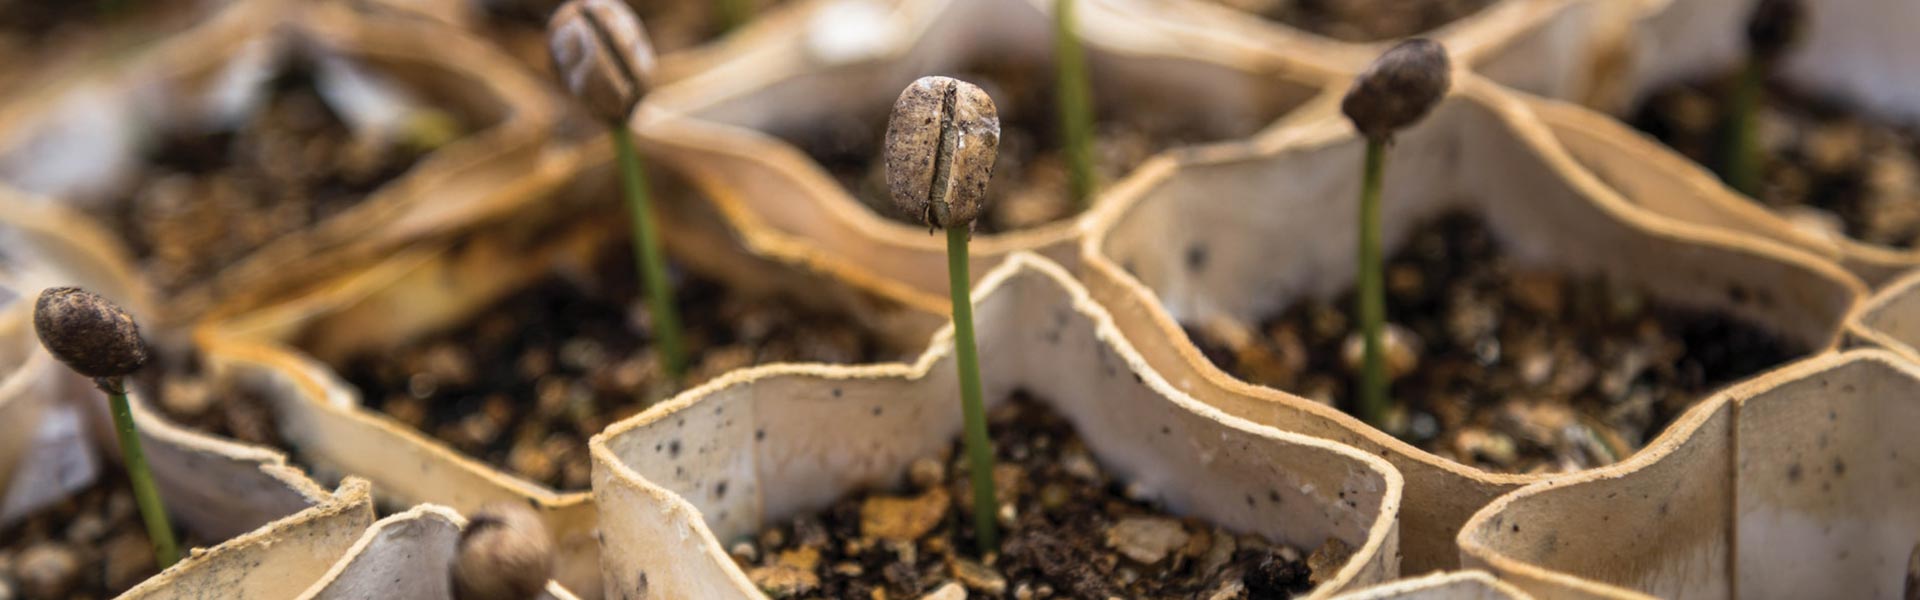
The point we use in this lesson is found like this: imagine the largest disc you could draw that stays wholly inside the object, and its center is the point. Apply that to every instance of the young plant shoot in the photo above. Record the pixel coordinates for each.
(1772, 29)
(504, 553)
(97, 339)
(601, 55)
(1075, 103)
(940, 148)
(1395, 92)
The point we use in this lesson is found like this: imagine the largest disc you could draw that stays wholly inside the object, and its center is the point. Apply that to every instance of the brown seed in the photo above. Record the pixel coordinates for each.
(941, 144)
(1774, 27)
(504, 554)
(601, 55)
(1398, 89)
(88, 333)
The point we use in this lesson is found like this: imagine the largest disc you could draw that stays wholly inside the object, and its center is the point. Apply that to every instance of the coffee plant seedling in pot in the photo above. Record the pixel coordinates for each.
(940, 147)
(97, 339)
(1395, 92)
(1074, 97)
(602, 57)
(1773, 28)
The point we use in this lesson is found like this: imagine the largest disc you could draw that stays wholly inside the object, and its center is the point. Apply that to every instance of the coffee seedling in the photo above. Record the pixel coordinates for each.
(1074, 100)
(1395, 92)
(98, 340)
(940, 147)
(503, 554)
(1773, 28)
(601, 56)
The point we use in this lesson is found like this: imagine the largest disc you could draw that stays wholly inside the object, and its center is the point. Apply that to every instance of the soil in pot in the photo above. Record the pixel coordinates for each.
(1029, 186)
(672, 25)
(526, 382)
(1072, 532)
(189, 396)
(1824, 164)
(1362, 20)
(208, 198)
(92, 545)
(1504, 367)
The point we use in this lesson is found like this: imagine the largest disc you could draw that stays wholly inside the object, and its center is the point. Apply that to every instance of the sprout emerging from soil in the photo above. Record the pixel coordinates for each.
(504, 554)
(601, 55)
(1072, 92)
(940, 148)
(1774, 27)
(97, 339)
(1395, 92)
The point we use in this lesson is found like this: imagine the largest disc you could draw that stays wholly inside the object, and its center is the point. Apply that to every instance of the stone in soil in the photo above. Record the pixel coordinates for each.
(90, 546)
(206, 199)
(525, 383)
(1362, 20)
(1029, 185)
(1088, 541)
(1830, 169)
(1520, 370)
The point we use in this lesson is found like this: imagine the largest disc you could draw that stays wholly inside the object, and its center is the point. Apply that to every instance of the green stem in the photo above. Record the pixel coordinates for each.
(1742, 162)
(145, 493)
(731, 14)
(647, 255)
(1372, 301)
(1075, 104)
(973, 411)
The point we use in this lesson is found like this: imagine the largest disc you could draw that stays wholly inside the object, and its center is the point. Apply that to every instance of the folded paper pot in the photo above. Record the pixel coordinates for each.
(769, 443)
(1890, 319)
(1270, 223)
(1798, 483)
(407, 555)
(1454, 585)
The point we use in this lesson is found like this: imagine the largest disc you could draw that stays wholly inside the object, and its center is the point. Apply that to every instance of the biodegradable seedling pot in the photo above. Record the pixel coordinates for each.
(842, 58)
(769, 443)
(1799, 483)
(406, 555)
(1456, 585)
(1239, 232)
(80, 141)
(1851, 52)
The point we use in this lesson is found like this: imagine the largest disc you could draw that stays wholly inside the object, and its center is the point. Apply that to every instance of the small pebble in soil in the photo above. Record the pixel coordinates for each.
(1517, 370)
(1074, 534)
(1362, 20)
(1830, 169)
(528, 380)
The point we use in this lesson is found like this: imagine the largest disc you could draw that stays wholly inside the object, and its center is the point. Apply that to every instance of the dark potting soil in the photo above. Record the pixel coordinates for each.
(1077, 534)
(191, 397)
(90, 546)
(207, 199)
(1362, 20)
(1511, 370)
(523, 385)
(1030, 185)
(1824, 162)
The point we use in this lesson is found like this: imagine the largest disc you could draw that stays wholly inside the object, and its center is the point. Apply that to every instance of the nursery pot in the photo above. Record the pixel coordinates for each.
(1890, 318)
(1798, 483)
(1850, 53)
(838, 68)
(1454, 585)
(83, 142)
(1239, 232)
(769, 443)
